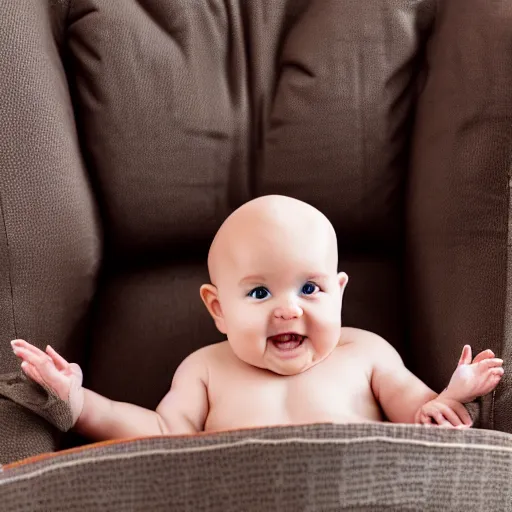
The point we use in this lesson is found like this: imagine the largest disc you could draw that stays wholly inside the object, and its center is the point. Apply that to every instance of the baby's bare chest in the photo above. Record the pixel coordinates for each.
(242, 399)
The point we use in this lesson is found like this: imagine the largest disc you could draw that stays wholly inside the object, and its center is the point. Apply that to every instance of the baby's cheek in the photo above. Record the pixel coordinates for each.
(328, 315)
(331, 330)
(245, 322)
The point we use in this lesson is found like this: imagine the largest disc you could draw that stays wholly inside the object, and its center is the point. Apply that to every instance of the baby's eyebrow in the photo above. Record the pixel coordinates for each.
(258, 278)
(252, 279)
(317, 277)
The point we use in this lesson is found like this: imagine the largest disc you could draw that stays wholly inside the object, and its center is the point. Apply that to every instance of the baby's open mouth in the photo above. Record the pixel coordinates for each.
(287, 341)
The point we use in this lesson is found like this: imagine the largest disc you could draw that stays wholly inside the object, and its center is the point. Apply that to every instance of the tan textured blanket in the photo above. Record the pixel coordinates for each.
(316, 467)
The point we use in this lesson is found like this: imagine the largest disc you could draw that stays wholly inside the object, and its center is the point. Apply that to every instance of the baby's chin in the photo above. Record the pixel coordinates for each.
(283, 368)
(290, 368)
(289, 372)
(285, 363)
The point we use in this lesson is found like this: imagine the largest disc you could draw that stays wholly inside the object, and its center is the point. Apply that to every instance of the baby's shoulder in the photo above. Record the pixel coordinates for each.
(208, 355)
(199, 364)
(360, 340)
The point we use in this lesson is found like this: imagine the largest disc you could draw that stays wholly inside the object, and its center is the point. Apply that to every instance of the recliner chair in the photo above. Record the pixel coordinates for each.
(131, 129)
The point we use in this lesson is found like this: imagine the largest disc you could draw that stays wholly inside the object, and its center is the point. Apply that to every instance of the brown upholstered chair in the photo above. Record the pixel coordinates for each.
(130, 129)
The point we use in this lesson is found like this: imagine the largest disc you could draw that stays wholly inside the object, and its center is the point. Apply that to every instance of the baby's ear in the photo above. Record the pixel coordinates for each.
(210, 298)
(342, 280)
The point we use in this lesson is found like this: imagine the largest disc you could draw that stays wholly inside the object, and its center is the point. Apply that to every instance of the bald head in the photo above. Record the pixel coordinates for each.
(276, 223)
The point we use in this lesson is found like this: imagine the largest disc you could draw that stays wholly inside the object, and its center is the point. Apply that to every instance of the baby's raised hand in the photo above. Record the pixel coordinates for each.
(53, 372)
(474, 378)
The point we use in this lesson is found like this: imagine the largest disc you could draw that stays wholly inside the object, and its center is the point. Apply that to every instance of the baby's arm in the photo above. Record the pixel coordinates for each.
(103, 419)
(400, 393)
(183, 409)
(98, 418)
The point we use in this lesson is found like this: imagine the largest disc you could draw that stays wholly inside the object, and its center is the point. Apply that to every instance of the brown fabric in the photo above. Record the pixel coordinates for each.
(142, 371)
(23, 434)
(26, 412)
(23, 391)
(317, 467)
(503, 404)
(475, 411)
(457, 199)
(49, 236)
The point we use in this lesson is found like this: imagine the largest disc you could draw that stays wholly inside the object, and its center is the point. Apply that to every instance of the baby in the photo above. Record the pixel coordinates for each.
(276, 294)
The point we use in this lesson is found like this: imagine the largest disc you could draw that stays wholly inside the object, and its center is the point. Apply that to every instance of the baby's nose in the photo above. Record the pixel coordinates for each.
(288, 311)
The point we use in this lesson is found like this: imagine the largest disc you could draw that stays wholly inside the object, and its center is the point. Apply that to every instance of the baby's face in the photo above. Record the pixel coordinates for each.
(281, 297)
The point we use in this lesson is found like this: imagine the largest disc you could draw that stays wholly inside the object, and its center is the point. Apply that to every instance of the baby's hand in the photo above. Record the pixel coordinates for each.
(53, 372)
(444, 412)
(473, 379)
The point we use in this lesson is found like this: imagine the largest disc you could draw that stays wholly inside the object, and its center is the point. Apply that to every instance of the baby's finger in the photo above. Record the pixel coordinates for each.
(29, 370)
(27, 346)
(451, 416)
(488, 385)
(26, 367)
(490, 363)
(36, 358)
(465, 357)
(463, 414)
(499, 371)
(440, 419)
(43, 367)
(54, 383)
(75, 370)
(491, 382)
(485, 354)
(38, 377)
(494, 380)
(425, 419)
(59, 361)
(491, 378)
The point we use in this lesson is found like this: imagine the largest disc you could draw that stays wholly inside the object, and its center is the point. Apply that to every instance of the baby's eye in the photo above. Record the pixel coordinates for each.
(309, 289)
(259, 293)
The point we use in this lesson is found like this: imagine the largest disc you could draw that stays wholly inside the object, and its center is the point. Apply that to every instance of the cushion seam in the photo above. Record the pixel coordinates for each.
(9, 264)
